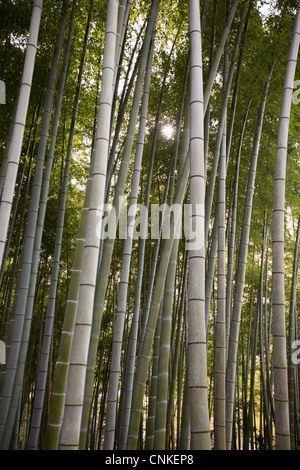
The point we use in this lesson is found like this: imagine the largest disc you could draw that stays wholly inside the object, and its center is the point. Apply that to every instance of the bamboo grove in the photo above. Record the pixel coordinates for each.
(149, 225)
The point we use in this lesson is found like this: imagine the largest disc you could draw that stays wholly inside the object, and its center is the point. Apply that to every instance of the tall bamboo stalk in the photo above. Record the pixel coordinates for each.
(38, 406)
(241, 270)
(220, 329)
(21, 327)
(108, 244)
(112, 397)
(292, 371)
(282, 430)
(145, 353)
(19, 126)
(197, 347)
(70, 430)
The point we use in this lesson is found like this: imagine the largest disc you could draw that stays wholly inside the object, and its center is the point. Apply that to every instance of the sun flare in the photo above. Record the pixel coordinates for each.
(168, 131)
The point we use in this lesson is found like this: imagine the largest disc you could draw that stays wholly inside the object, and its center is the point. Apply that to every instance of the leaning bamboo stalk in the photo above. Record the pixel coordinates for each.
(168, 193)
(124, 99)
(282, 430)
(176, 359)
(219, 52)
(225, 98)
(237, 78)
(232, 238)
(25, 271)
(241, 269)
(220, 327)
(144, 357)
(164, 352)
(150, 425)
(8, 144)
(292, 338)
(111, 410)
(38, 405)
(157, 438)
(214, 241)
(49, 164)
(15, 401)
(19, 126)
(185, 427)
(125, 413)
(15, 207)
(61, 371)
(70, 430)
(138, 291)
(267, 420)
(220, 322)
(167, 303)
(168, 190)
(123, 17)
(108, 244)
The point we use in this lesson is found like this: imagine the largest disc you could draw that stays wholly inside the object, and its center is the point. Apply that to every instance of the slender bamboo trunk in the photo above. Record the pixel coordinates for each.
(108, 245)
(123, 17)
(150, 426)
(220, 332)
(133, 341)
(204, 15)
(112, 398)
(282, 430)
(61, 371)
(232, 239)
(176, 375)
(144, 357)
(19, 126)
(219, 52)
(168, 190)
(21, 327)
(38, 405)
(138, 291)
(167, 307)
(164, 353)
(70, 430)
(292, 338)
(197, 363)
(241, 271)
(222, 123)
(125, 96)
(15, 208)
(185, 429)
(268, 435)
(251, 413)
